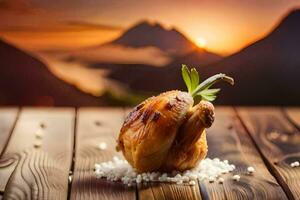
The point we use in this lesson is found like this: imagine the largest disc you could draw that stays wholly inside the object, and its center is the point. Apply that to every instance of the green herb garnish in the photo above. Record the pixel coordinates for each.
(202, 90)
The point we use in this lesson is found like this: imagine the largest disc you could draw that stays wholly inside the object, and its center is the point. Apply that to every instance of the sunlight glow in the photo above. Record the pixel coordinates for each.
(201, 42)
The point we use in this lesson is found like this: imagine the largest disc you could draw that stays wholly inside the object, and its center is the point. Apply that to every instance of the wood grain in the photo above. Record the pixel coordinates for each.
(97, 125)
(293, 114)
(8, 117)
(278, 141)
(166, 191)
(228, 140)
(39, 173)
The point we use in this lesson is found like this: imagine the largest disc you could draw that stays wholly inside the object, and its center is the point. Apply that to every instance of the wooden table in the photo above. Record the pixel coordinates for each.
(60, 164)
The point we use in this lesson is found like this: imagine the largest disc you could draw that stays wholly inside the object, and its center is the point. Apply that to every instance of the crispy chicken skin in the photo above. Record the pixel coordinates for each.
(166, 133)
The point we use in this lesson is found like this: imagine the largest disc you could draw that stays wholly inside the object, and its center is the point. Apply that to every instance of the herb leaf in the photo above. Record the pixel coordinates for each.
(202, 90)
(186, 77)
(194, 79)
(208, 94)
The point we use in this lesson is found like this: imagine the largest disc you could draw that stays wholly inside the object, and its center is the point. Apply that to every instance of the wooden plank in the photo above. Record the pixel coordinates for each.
(293, 114)
(278, 142)
(166, 191)
(8, 117)
(39, 172)
(96, 125)
(228, 140)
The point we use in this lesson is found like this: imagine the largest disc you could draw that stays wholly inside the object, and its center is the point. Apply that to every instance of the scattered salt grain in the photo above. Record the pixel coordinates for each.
(37, 143)
(211, 179)
(236, 177)
(250, 170)
(120, 170)
(192, 182)
(102, 146)
(70, 178)
(39, 133)
(295, 164)
(221, 180)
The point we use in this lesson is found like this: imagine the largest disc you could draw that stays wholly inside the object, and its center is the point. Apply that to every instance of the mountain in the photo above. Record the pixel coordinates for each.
(266, 72)
(198, 57)
(144, 43)
(154, 34)
(24, 80)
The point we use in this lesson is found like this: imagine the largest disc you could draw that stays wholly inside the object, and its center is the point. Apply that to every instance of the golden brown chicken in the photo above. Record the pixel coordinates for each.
(167, 132)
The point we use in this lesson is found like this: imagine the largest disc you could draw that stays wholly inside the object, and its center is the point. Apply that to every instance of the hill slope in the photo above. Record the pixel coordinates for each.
(24, 80)
(266, 72)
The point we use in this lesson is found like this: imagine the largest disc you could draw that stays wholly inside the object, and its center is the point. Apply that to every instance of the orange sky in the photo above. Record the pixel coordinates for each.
(226, 26)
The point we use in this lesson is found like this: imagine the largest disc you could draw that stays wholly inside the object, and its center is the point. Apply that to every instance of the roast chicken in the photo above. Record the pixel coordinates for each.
(166, 132)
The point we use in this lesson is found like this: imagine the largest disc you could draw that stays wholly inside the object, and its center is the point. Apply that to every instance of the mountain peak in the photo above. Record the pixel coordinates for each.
(290, 22)
(148, 24)
(294, 14)
(146, 33)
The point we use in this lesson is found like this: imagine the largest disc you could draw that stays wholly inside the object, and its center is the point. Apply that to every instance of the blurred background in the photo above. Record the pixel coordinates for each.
(99, 53)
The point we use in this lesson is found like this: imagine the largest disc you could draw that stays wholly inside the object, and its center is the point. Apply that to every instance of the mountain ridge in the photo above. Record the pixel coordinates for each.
(266, 72)
(143, 43)
(154, 34)
(27, 81)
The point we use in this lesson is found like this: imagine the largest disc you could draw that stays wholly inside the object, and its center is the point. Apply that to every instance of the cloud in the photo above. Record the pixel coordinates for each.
(59, 26)
(89, 25)
(119, 54)
(17, 7)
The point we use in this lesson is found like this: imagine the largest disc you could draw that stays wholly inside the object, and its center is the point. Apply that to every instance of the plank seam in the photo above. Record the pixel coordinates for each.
(11, 132)
(73, 155)
(269, 166)
(203, 193)
(136, 193)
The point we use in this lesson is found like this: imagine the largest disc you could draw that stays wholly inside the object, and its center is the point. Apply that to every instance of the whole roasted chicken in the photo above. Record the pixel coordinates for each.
(167, 132)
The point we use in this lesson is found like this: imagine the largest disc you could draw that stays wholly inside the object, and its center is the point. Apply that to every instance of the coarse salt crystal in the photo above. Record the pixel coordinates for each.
(102, 146)
(37, 143)
(192, 182)
(295, 164)
(70, 178)
(292, 164)
(97, 166)
(211, 179)
(221, 180)
(185, 178)
(236, 177)
(39, 133)
(120, 169)
(250, 170)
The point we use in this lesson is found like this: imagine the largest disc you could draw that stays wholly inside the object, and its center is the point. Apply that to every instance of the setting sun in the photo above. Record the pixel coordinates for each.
(201, 42)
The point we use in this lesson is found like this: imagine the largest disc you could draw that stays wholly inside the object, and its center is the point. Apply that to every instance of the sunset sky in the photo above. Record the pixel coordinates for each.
(220, 26)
